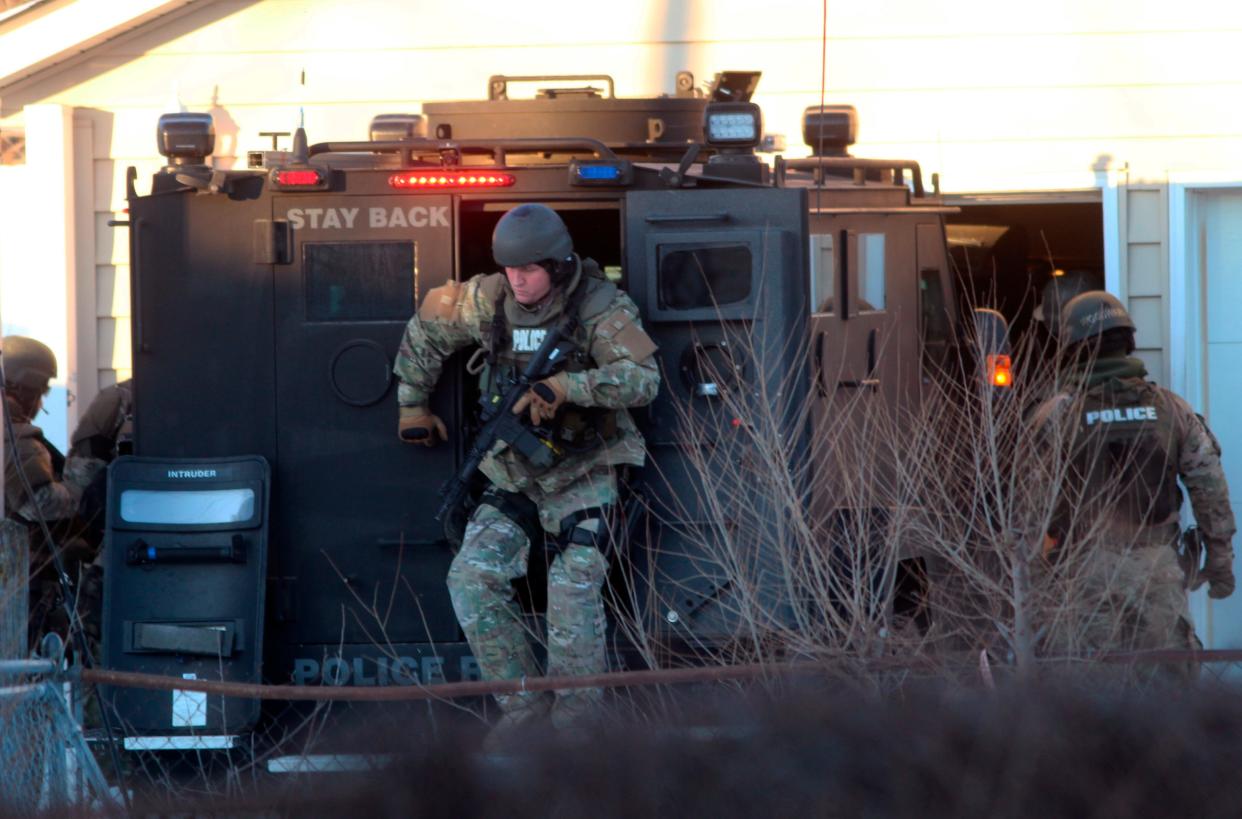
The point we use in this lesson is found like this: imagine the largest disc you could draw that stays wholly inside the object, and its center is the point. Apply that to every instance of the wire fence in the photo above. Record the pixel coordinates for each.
(45, 764)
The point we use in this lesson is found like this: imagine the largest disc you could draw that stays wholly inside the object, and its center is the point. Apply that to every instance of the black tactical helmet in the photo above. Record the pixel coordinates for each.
(1090, 314)
(28, 363)
(528, 234)
(1058, 291)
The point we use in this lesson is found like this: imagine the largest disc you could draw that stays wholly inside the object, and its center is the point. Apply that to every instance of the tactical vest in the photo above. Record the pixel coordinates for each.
(1125, 451)
(509, 344)
(41, 462)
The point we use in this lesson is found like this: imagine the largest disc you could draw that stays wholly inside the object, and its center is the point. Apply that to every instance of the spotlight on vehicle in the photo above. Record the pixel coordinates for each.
(185, 138)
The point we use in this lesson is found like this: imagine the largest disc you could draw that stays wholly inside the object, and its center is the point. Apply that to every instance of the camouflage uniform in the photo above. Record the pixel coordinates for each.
(105, 424)
(102, 433)
(1128, 442)
(58, 485)
(616, 370)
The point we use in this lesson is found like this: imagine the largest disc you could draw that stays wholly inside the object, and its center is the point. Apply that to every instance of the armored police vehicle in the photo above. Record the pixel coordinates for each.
(271, 527)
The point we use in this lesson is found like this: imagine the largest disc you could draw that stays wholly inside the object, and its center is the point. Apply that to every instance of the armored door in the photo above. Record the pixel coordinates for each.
(719, 276)
(357, 558)
(864, 345)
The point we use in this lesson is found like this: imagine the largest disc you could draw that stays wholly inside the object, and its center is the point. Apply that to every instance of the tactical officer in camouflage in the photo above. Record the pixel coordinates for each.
(1060, 288)
(57, 484)
(104, 431)
(1128, 442)
(580, 413)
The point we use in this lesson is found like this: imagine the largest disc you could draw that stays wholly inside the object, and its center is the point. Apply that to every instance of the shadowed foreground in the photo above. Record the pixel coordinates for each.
(931, 752)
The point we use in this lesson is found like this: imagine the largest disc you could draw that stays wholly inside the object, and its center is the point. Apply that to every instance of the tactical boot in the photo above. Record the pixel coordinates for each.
(521, 715)
(574, 709)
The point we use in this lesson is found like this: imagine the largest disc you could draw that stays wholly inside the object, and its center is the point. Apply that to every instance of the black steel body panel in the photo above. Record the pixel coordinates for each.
(352, 521)
(203, 336)
(755, 340)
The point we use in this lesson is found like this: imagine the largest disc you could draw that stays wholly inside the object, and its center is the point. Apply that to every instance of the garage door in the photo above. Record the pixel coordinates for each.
(1220, 226)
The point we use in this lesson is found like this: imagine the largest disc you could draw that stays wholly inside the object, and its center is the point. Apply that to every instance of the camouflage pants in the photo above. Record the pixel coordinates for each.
(1132, 599)
(495, 552)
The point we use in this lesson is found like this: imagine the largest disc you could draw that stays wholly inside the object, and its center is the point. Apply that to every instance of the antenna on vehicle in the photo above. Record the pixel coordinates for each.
(301, 151)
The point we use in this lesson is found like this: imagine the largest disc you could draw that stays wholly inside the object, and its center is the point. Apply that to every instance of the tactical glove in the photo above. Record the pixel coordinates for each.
(418, 426)
(544, 398)
(1218, 573)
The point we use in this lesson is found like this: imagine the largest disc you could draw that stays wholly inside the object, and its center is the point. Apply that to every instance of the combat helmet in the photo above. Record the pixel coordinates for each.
(530, 233)
(1090, 314)
(28, 363)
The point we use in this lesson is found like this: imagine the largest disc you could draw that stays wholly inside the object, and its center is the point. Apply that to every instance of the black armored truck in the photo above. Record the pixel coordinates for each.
(270, 527)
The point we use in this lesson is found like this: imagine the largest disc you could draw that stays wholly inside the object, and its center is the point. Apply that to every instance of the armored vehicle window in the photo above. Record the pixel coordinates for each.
(823, 273)
(704, 276)
(871, 272)
(187, 508)
(359, 281)
(931, 301)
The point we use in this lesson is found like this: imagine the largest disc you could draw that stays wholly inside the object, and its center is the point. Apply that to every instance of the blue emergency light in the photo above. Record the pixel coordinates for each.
(604, 172)
(595, 172)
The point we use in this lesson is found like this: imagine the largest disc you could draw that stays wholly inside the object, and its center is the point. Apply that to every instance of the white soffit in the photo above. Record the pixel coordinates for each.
(66, 30)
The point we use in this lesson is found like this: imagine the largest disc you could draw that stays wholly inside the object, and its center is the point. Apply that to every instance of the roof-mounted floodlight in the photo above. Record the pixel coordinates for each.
(390, 127)
(830, 130)
(185, 138)
(732, 124)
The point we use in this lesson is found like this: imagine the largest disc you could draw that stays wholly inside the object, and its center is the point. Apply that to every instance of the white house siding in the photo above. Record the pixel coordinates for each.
(1144, 271)
(995, 96)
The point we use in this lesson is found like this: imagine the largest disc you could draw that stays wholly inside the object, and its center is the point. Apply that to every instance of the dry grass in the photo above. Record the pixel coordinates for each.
(811, 537)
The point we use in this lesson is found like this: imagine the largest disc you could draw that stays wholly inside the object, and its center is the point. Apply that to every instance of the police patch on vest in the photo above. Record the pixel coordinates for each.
(1120, 414)
(527, 340)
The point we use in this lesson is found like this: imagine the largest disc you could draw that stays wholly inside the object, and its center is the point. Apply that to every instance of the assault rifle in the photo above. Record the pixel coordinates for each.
(500, 424)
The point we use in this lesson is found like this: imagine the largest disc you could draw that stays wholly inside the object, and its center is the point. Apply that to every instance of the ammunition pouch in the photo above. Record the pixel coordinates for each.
(532, 443)
(583, 429)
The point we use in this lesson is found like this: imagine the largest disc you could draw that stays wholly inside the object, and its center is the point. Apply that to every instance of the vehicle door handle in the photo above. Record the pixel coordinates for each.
(666, 218)
(142, 553)
(870, 383)
(396, 542)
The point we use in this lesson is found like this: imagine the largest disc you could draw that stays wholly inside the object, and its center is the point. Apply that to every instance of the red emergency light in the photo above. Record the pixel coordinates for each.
(438, 180)
(308, 178)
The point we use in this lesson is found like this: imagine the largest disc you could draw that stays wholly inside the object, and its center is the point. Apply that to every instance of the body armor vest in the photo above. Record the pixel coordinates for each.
(509, 346)
(1125, 451)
